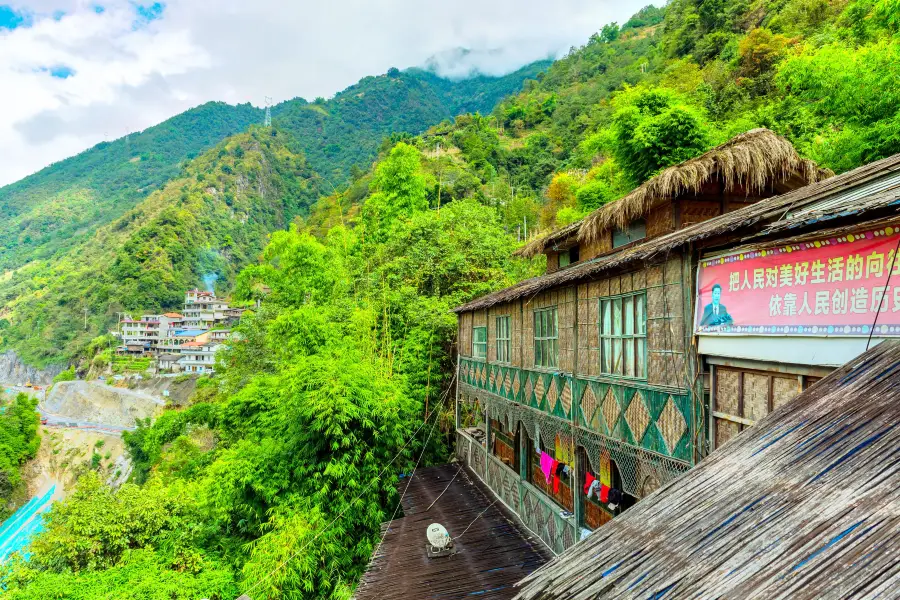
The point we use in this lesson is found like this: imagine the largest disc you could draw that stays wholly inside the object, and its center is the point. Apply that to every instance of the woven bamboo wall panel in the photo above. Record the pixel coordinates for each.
(654, 275)
(660, 220)
(727, 391)
(664, 334)
(492, 314)
(594, 516)
(615, 286)
(552, 262)
(626, 283)
(665, 368)
(639, 279)
(589, 251)
(479, 318)
(465, 334)
(673, 270)
(784, 389)
(516, 334)
(725, 430)
(656, 303)
(698, 211)
(756, 396)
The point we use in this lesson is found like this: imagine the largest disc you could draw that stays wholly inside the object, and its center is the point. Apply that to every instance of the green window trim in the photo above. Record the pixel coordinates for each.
(504, 337)
(546, 338)
(623, 335)
(479, 342)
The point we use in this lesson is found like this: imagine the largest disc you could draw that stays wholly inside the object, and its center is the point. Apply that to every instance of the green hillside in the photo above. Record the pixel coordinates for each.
(347, 130)
(213, 217)
(63, 204)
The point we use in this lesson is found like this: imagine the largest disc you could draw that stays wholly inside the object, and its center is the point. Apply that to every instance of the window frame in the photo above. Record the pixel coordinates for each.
(505, 341)
(546, 344)
(614, 346)
(476, 344)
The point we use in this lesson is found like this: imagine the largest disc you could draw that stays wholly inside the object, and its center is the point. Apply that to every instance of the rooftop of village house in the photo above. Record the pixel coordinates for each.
(493, 550)
(747, 166)
(801, 506)
(873, 190)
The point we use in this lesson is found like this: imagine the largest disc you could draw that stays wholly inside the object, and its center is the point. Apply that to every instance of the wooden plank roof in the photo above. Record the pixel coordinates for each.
(805, 505)
(773, 213)
(495, 552)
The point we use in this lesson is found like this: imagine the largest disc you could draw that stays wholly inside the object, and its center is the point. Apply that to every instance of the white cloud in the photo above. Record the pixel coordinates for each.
(128, 76)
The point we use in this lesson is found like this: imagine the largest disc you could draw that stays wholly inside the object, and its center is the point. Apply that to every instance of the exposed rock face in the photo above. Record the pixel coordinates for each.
(13, 370)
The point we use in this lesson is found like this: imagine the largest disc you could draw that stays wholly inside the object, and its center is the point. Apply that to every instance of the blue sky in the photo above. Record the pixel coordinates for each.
(78, 72)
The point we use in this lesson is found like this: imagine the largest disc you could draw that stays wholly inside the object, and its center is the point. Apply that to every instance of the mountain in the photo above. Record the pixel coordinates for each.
(347, 130)
(212, 218)
(55, 208)
(61, 205)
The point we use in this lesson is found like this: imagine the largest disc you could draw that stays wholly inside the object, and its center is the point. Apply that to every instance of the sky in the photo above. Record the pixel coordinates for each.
(76, 72)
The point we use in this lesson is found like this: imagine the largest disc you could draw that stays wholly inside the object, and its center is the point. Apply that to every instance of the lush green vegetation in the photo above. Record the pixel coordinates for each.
(336, 386)
(64, 203)
(342, 135)
(19, 441)
(213, 218)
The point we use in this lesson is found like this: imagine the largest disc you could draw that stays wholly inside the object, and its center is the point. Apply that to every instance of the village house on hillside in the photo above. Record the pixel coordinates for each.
(185, 341)
(668, 322)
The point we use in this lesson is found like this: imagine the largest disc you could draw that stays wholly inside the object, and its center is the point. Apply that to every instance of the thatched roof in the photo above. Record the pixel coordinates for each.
(844, 194)
(755, 160)
(804, 505)
(540, 244)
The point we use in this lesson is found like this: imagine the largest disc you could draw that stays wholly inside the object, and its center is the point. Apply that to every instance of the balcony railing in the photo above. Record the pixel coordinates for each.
(538, 513)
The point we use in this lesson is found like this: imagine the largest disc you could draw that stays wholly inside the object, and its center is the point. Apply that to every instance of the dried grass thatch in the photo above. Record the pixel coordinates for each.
(540, 244)
(753, 160)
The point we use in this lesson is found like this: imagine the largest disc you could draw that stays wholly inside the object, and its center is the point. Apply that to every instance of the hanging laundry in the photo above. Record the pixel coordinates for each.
(588, 481)
(604, 493)
(605, 469)
(594, 489)
(555, 476)
(560, 469)
(567, 470)
(615, 496)
(546, 465)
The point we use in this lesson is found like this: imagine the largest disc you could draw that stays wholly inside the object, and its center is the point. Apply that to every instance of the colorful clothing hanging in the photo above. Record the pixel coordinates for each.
(604, 493)
(553, 469)
(546, 465)
(588, 480)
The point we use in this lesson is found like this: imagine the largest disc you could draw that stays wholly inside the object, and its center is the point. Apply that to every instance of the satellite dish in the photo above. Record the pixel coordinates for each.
(438, 536)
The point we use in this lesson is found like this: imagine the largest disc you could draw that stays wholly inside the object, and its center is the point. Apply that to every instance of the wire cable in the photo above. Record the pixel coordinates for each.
(406, 489)
(356, 499)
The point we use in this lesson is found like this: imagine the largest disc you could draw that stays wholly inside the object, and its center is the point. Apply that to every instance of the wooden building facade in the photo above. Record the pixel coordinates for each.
(594, 365)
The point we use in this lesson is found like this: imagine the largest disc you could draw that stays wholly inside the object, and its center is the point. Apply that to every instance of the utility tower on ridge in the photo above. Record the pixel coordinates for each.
(268, 121)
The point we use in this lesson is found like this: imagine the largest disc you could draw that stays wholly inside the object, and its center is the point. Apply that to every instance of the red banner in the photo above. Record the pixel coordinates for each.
(828, 287)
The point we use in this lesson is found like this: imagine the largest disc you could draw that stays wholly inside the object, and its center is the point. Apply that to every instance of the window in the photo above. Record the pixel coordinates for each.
(479, 342)
(568, 257)
(636, 230)
(623, 336)
(503, 339)
(546, 338)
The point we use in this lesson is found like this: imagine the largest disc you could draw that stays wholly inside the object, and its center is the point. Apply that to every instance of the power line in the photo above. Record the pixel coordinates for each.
(360, 495)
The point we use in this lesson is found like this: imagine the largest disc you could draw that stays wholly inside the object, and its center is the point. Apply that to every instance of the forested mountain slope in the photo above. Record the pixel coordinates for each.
(213, 217)
(62, 204)
(347, 130)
